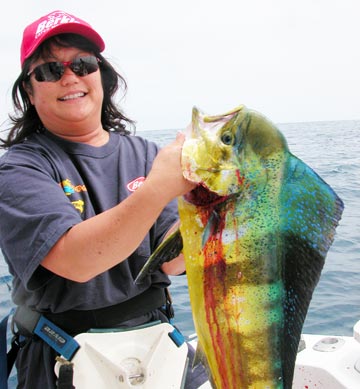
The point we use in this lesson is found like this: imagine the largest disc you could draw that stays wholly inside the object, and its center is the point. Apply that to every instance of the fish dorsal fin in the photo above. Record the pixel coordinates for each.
(310, 212)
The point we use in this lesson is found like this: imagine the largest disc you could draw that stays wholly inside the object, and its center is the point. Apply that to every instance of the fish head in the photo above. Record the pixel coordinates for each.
(229, 154)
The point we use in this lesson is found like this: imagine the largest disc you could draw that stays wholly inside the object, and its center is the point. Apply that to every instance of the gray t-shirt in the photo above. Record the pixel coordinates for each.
(48, 185)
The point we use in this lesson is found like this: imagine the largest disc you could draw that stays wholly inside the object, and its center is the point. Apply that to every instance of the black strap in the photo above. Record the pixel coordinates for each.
(4, 371)
(169, 310)
(7, 359)
(66, 373)
(12, 353)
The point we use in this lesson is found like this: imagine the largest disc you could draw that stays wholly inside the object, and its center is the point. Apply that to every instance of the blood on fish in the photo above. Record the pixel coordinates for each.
(215, 282)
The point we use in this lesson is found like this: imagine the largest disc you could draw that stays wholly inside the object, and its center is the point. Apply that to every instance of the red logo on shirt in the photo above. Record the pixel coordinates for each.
(135, 184)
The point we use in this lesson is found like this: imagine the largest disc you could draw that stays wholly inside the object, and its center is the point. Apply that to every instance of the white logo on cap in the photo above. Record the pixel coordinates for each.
(54, 20)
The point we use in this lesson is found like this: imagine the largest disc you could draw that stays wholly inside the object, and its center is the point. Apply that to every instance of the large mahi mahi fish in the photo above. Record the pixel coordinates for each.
(255, 233)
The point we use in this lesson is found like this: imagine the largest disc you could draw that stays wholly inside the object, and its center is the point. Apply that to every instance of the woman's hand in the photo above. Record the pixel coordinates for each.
(166, 173)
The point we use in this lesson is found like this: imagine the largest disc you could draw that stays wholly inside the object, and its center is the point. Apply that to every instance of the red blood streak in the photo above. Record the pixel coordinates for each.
(215, 290)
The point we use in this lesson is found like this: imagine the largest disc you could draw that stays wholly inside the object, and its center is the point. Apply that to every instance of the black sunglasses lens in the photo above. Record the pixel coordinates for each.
(50, 71)
(84, 65)
(53, 71)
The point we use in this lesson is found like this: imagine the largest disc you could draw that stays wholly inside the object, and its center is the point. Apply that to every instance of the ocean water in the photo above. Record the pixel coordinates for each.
(332, 149)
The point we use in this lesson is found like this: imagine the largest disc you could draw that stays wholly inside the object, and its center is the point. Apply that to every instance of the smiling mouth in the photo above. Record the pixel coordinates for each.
(73, 96)
(202, 196)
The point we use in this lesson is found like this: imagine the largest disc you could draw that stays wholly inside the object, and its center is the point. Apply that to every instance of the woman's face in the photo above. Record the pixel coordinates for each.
(72, 105)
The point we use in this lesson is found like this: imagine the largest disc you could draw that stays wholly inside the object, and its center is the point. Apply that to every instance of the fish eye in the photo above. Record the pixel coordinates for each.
(227, 138)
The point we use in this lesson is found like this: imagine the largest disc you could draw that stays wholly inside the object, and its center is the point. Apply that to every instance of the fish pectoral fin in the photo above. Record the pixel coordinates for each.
(169, 249)
(211, 227)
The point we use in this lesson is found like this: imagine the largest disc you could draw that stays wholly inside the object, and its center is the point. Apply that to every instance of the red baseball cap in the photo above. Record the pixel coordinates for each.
(54, 23)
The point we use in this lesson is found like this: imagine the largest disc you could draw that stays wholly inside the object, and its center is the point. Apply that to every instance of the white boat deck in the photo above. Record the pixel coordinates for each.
(331, 362)
(327, 362)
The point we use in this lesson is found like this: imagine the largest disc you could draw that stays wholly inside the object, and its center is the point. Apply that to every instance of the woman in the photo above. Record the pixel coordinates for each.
(83, 203)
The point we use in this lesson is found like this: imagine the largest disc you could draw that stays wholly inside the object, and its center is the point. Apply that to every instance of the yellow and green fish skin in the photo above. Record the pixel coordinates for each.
(236, 246)
(236, 296)
(254, 233)
(231, 313)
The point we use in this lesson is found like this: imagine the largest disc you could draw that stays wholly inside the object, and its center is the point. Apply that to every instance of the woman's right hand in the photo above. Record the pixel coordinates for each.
(166, 174)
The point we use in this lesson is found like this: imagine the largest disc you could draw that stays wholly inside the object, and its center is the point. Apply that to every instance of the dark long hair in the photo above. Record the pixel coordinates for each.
(25, 121)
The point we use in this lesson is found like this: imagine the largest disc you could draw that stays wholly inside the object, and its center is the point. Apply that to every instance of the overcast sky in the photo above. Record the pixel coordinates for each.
(292, 60)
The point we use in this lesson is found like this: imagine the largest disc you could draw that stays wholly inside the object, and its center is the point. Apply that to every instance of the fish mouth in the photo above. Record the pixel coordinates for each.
(202, 196)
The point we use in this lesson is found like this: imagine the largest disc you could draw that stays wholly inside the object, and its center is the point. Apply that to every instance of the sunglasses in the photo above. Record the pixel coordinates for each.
(53, 71)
